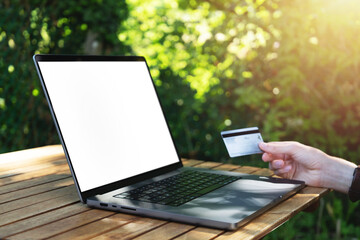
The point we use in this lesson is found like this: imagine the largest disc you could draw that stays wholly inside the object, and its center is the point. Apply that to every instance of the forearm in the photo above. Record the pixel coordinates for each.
(337, 174)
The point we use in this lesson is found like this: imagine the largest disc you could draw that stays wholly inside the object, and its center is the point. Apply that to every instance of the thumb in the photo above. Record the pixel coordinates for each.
(278, 147)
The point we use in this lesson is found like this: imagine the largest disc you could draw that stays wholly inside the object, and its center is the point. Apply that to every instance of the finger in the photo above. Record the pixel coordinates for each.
(277, 148)
(268, 157)
(277, 164)
(284, 170)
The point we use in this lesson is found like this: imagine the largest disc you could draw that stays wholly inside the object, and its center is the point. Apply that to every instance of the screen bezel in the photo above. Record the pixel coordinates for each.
(121, 183)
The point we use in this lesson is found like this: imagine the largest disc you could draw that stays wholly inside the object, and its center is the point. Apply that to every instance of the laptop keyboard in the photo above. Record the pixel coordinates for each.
(179, 189)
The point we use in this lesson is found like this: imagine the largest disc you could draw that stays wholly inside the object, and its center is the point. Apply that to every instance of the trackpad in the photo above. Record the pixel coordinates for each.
(237, 200)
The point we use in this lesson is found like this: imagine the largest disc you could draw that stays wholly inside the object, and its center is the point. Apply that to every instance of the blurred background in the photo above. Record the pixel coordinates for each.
(289, 67)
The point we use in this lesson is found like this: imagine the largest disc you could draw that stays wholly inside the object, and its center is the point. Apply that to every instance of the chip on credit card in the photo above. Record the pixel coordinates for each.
(241, 142)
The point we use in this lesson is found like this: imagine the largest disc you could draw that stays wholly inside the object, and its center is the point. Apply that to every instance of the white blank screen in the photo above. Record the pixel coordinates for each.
(110, 119)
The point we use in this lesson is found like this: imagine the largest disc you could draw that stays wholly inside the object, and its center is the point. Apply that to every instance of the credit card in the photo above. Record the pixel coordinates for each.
(241, 142)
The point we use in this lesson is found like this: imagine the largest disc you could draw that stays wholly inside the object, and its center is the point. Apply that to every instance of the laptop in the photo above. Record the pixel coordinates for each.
(122, 155)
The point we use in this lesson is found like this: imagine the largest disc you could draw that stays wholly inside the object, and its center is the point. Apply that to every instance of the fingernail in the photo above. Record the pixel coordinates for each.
(262, 144)
(278, 164)
(287, 168)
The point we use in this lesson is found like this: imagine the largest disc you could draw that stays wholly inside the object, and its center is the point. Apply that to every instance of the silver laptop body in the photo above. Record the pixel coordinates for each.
(116, 140)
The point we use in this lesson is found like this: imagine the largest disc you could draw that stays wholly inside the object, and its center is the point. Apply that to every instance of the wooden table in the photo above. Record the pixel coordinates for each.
(38, 200)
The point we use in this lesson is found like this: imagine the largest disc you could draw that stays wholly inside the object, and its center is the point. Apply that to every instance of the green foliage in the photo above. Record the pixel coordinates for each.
(317, 74)
(289, 67)
(270, 64)
(327, 222)
(41, 26)
(208, 51)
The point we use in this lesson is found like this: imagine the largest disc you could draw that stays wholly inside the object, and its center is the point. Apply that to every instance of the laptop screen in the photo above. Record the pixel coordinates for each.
(110, 119)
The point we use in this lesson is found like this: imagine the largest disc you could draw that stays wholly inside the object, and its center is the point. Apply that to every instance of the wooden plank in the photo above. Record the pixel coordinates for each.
(27, 201)
(247, 169)
(63, 225)
(200, 233)
(94, 229)
(167, 231)
(208, 165)
(34, 167)
(29, 157)
(42, 219)
(35, 190)
(60, 169)
(38, 208)
(190, 162)
(314, 190)
(33, 182)
(227, 167)
(132, 229)
(8, 175)
(263, 172)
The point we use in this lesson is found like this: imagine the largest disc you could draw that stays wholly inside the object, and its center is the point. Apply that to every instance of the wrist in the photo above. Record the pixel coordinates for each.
(338, 174)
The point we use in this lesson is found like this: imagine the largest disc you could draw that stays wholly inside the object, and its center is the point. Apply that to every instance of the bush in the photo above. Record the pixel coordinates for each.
(57, 27)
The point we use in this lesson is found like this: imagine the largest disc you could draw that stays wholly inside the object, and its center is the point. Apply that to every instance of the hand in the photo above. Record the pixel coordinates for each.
(293, 160)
